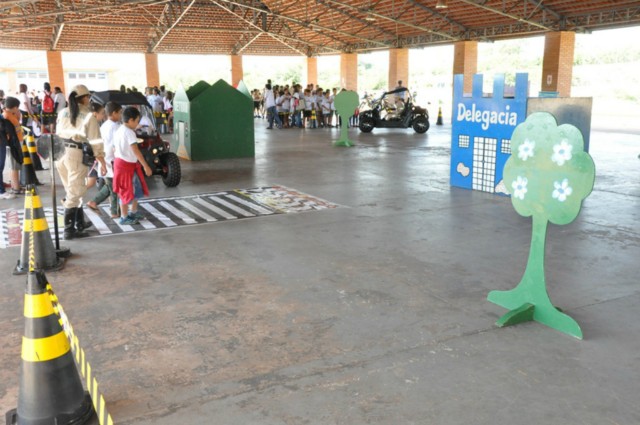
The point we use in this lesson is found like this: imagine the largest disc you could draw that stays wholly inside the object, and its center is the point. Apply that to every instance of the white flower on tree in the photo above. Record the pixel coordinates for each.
(562, 190)
(525, 150)
(519, 186)
(561, 152)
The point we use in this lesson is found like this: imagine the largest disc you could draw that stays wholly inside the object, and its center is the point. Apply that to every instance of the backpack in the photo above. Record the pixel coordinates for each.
(48, 105)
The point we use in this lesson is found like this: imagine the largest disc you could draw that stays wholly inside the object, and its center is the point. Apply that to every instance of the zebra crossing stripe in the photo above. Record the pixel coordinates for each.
(166, 221)
(220, 211)
(208, 203)
(232, 207)
(253, 206)
(173, 210)
(97, 221)
(169, 212)
(196, 210)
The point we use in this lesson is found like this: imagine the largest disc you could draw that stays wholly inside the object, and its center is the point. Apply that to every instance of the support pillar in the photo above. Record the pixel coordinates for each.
(55, 69)
(465, 61)
(557, 63)
(398, 67)
(151, 64)
(312, 70)
(237, 74)
(349, 71)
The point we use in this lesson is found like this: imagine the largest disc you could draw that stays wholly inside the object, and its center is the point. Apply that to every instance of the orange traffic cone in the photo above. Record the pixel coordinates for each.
(44, 251)
(50, 387)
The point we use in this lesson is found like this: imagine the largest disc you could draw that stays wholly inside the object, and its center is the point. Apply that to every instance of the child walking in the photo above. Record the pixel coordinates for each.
(107, 132)
(128, 181)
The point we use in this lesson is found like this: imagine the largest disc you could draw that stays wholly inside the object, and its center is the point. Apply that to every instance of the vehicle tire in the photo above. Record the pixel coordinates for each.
(171, 173)
(366, 124)
(421, 124)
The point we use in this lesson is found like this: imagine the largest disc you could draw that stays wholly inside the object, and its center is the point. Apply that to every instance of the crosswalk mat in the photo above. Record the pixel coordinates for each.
(171, 212)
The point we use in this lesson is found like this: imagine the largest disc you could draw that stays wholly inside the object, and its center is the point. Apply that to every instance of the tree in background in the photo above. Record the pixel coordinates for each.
(548, 175)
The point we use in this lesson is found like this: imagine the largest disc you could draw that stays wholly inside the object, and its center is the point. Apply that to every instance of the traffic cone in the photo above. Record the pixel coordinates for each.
(50, 387)
(33, 152)
(27, 173)
(439, 122)
(45, 257)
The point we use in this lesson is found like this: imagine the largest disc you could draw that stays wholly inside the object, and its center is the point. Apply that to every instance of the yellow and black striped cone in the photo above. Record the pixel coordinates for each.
(27, 173)
(33, 152)
(45, 257)
(439, 121)
(50, 387)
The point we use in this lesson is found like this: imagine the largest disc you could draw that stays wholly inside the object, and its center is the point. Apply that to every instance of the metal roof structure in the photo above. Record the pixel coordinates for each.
(292, 27)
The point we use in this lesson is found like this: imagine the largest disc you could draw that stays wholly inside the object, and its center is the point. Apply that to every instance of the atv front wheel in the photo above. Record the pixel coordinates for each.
(171, 173)
(421, 124)
(366, 124)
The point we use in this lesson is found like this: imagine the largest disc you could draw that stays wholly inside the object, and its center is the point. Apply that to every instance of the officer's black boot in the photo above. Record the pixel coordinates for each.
(81, 223)
(70, 231)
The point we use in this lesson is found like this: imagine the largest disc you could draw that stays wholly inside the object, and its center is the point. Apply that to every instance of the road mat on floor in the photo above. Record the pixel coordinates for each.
(170, 212)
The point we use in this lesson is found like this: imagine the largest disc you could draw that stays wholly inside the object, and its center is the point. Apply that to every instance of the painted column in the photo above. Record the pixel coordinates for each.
(465, 61)
(312, 70)
(557, 64)
(349, 71)
(237, 74)
(398, 67)
(151, 64)
(55, 69)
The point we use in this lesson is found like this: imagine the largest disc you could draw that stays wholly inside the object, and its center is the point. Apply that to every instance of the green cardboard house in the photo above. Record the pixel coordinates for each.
(212, 122)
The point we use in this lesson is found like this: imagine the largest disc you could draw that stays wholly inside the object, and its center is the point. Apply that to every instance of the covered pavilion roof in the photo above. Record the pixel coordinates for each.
(292, 27)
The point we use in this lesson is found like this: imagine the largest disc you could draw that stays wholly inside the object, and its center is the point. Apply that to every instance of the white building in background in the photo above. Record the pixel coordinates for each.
(10, 79)
(94, 80)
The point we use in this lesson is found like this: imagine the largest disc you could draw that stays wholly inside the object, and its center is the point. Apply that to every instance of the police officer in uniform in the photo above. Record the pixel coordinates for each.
(76, 128)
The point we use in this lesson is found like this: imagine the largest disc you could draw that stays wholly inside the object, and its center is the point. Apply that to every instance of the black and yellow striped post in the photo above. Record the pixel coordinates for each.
(45, 257)
(33, 151)
(439, 121)
(50, 387)
(27, 172)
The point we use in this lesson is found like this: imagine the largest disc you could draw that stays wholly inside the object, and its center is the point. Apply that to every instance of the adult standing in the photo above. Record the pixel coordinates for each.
(76, 128)
(25, 106)
(59, 100)
(270, 105)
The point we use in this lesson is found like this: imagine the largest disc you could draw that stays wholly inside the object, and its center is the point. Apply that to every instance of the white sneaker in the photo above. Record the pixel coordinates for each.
(7, 195)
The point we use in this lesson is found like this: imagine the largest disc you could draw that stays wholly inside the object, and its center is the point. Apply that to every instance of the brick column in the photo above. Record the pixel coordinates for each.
(557, 64)
(465, 61)
(312, 70)
(55, 69)
(151, 64)
(398, 67)
(237, 74)
(348, 71)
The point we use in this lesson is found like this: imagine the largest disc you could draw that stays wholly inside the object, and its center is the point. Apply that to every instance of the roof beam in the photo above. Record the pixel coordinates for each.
(395, 20)
(171, 16)
(304, 24)
(505, 14)
(57, 30)
(279, 37)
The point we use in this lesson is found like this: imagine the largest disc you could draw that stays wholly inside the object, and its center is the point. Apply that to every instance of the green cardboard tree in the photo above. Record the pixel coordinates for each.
(346, 103)
(548, 175)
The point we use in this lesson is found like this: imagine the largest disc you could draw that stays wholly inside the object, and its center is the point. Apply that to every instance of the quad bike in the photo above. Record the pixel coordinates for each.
(155, 150)
(394, 109)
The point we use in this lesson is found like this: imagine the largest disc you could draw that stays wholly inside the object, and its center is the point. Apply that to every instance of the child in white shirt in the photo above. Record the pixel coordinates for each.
(128, 181)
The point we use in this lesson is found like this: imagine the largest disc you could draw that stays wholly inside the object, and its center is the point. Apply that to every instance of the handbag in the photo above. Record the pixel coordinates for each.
(88, 157)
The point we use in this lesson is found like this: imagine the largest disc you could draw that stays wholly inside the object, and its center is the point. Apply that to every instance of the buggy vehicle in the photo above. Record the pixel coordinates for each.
(155, 150)
(394, 109)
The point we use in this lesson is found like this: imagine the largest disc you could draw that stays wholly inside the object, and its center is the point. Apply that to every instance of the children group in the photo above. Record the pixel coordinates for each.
(110, 131)
(292, 106)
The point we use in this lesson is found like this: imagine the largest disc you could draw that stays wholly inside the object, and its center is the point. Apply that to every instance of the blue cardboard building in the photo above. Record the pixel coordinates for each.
(481, 132)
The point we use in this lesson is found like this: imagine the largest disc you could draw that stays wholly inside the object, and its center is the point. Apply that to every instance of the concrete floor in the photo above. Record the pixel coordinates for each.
(374, 313)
